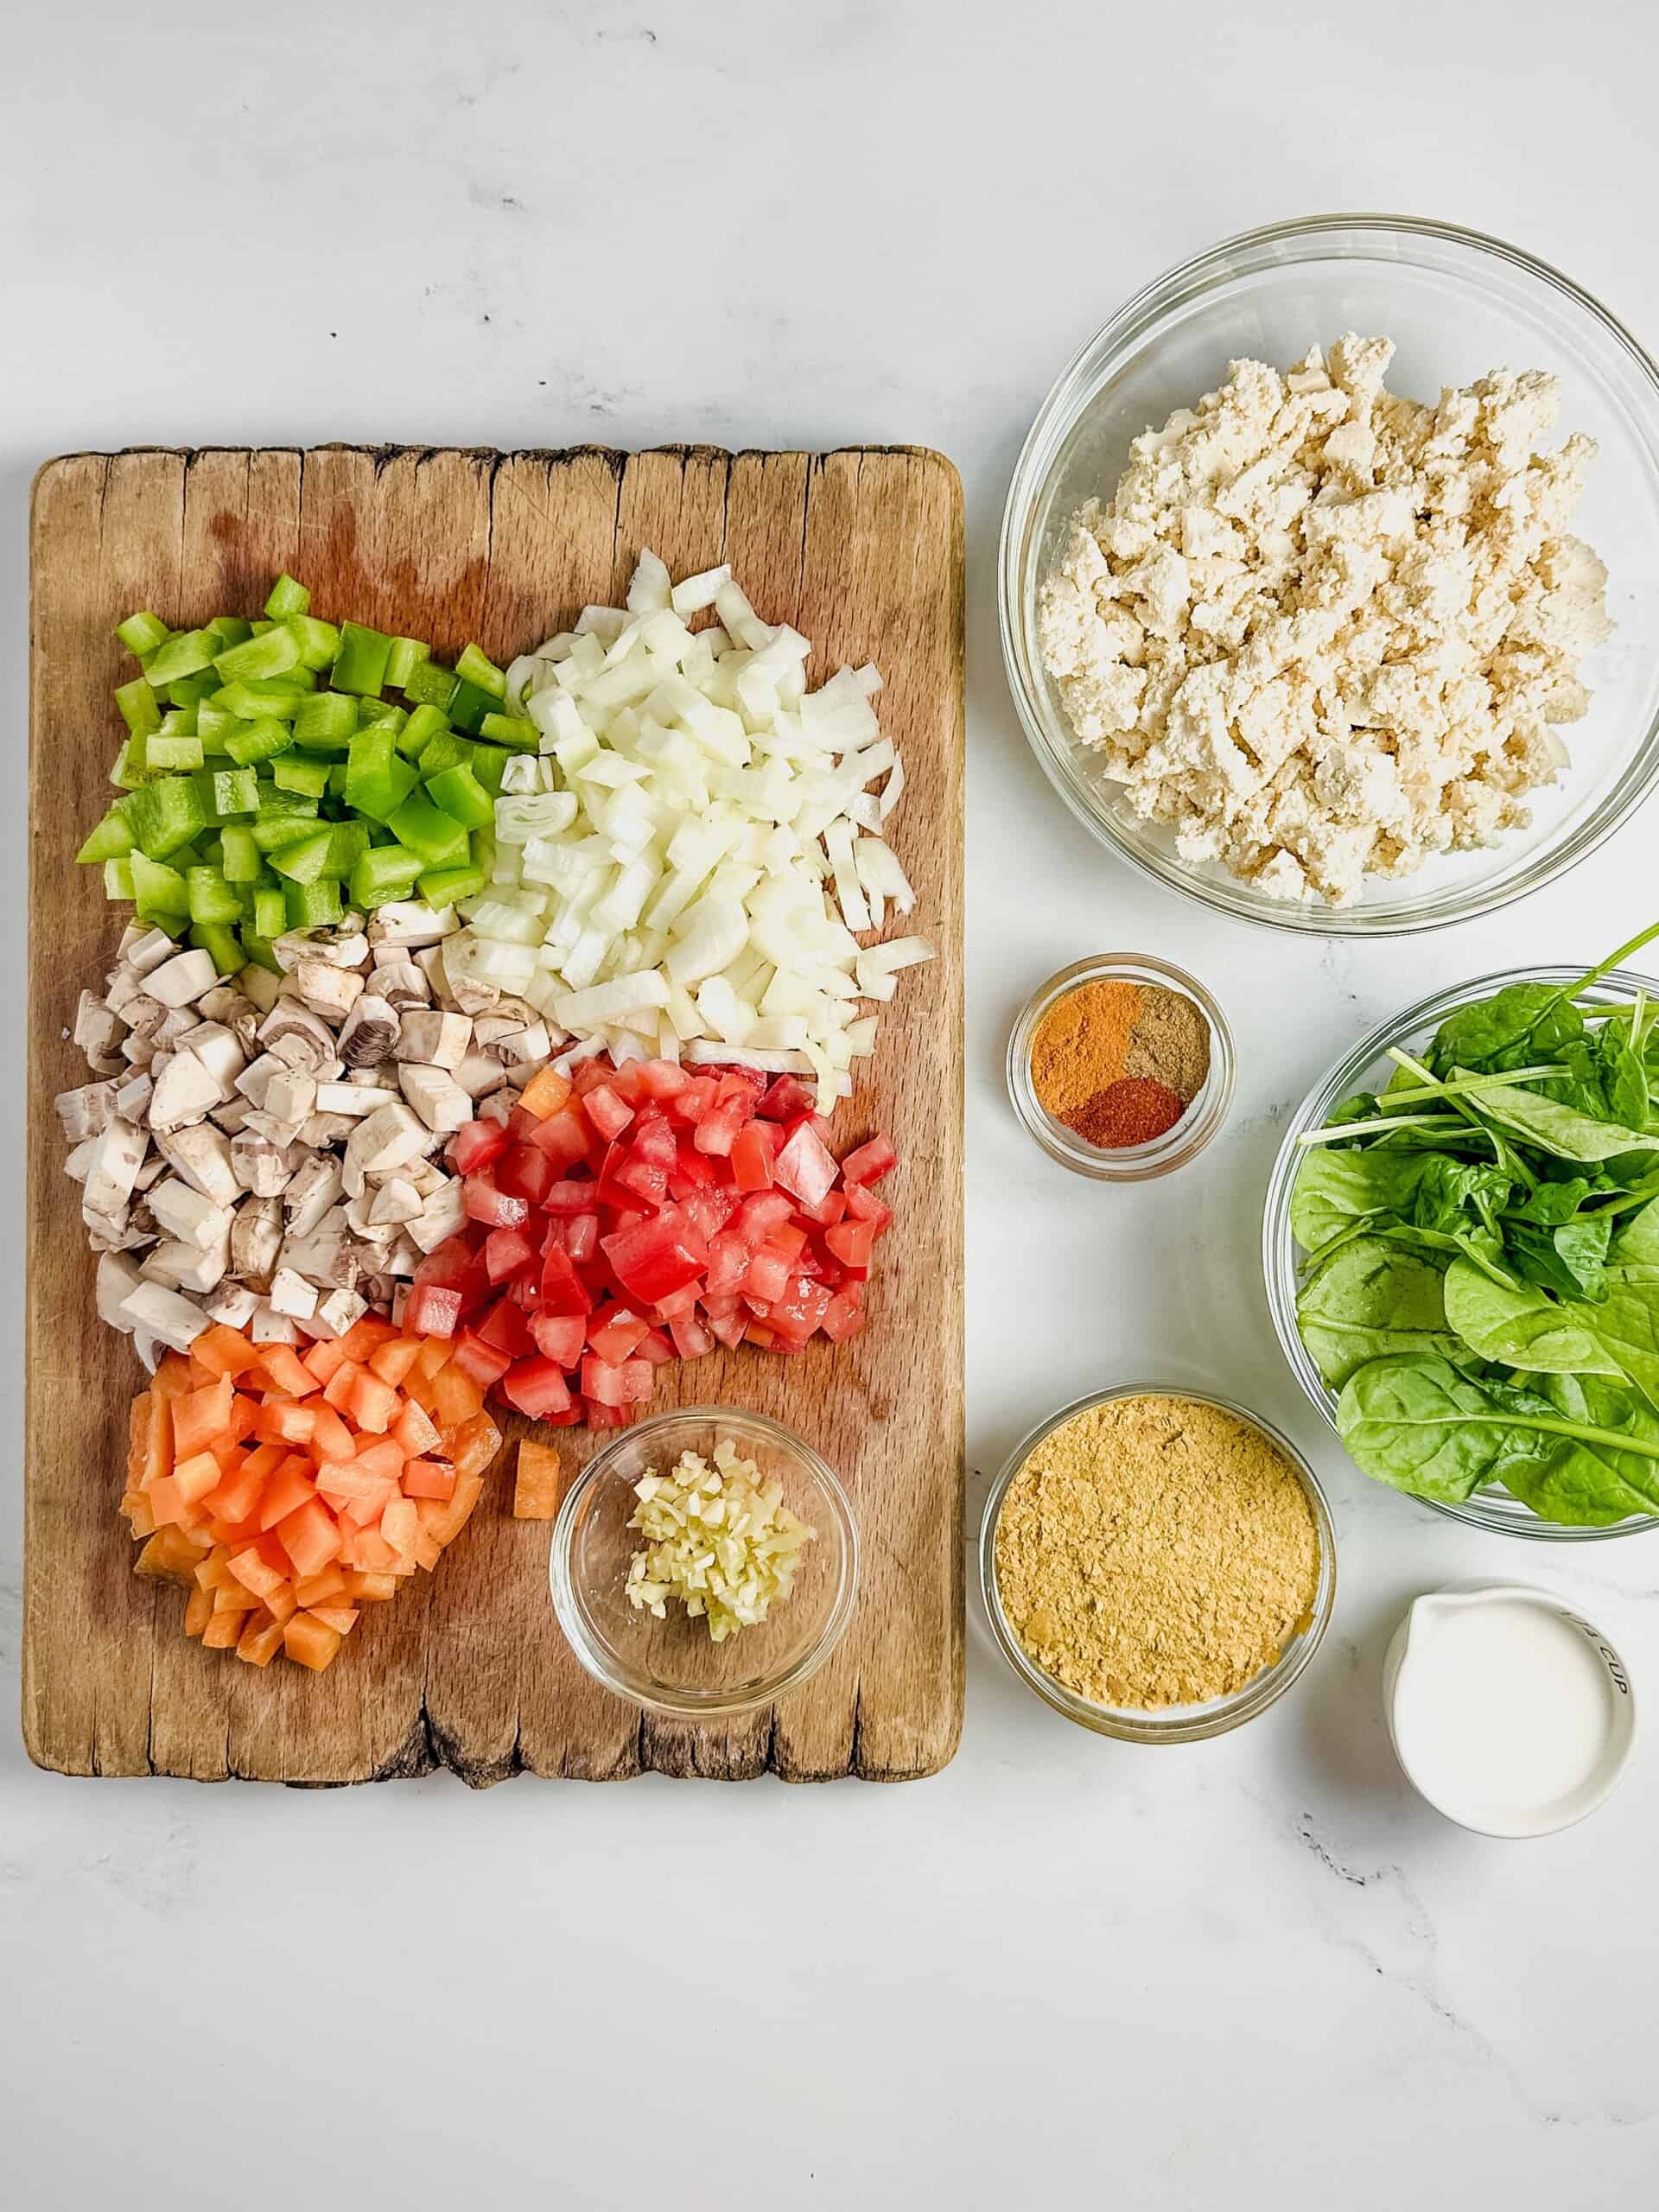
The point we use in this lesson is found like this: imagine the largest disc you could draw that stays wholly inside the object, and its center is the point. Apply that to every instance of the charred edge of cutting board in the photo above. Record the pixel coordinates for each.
(384, 455)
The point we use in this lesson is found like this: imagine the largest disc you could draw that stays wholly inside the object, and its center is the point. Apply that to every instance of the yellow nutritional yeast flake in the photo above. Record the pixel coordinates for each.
(1156, 1551)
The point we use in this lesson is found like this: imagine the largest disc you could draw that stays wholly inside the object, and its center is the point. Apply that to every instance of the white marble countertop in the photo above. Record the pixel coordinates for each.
(1229, 1973)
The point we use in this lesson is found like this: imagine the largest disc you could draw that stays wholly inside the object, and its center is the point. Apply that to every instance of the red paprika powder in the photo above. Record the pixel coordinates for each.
(1118, 1062)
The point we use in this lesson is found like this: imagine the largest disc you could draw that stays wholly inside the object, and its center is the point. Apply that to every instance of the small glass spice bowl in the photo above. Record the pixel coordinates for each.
(672, 1666)
(1173, 1724)
(1134, 1163)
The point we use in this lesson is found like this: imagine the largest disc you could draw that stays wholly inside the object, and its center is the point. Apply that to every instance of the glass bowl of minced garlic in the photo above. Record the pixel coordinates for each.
(704, 1563)
(1157, 1564)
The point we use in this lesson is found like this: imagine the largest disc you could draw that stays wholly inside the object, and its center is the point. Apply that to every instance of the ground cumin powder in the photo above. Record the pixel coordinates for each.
(1118, 1062)
(1156, 1551)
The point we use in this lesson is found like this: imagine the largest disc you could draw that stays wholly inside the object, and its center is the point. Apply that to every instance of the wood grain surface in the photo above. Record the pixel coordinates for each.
(860, 549)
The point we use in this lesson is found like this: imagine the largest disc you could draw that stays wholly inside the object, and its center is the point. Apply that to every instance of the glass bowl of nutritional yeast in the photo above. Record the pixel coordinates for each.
(1157, 1563)
(1457, 305)
(1103, 1041)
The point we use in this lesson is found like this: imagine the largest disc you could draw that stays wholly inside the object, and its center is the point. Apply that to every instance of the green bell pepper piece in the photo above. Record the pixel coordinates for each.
(405, 656)
(165, 750)
(212, 899)
(287, 597)
(348, 843)
(274, 833)
(305, 861)
(293, 773)
(460, 795)
(111, 841)
(476, 667)
(384, 872)
(434, 837)
(235, 790)
(318, 641)
(117, 879)
(424, 724)
(510, 730)
(270, 912)
(157, 890)
(250, 702)
(165, 815)
(230, 630)
(241, 860)
(469, 706)
(429, 685)
(186, 654)
(325, 722)
(360, 663)
(442, 887)
(314, 906)
(139, 708)
(249, 742)
(224, 944)
(259, 950)
(272, 655)
(378, 779)
(142, 633)
(489, 765)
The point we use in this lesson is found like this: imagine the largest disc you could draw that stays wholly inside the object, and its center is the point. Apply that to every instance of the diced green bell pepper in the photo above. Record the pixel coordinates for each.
(129, 771)
(223, 943)
(474, 666)
(185, 655)
(314, 906)
(384, 872)
(325, 722)
(489, 765)
(348, 843)
(235, 790)
(434, 837)
(360, 663)
(445, 748)
(460, 795)
(250, 743)
(212, 899)
(303, 862)
(429, 685)
(111, 841)
(166, 751)
(318, 641)
(157, 890)
(272, 655)
(165, 815)
(424, 724)
(442, 887)
(142, 633)
(405, 658)
(230, 630)
(117, 879)
(140, 709)
(520, 736)
(378, 779)
(294, 773)
(469, 706)
(241, 862)
(270, 912)
(274, 833)
(252, 704)
(287, 597)
(259, 950)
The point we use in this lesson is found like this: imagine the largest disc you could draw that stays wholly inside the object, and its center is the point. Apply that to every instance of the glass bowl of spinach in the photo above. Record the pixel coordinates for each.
(1461, 1247)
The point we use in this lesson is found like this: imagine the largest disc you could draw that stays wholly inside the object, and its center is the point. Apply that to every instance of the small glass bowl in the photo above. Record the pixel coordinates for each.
(670, 1666)
(1457, 304)
(1282, 1255)
(1134, 1163)
(1175, 1724)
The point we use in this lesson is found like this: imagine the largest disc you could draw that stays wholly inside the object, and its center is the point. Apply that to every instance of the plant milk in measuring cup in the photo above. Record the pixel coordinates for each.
(1510, 1712)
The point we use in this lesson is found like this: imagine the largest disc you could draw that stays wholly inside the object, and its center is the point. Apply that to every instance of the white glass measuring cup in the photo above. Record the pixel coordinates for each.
(1510, 1712)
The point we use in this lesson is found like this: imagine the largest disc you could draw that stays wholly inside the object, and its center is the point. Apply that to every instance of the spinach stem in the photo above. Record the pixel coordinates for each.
(1506, 1158)
(1334, 1131)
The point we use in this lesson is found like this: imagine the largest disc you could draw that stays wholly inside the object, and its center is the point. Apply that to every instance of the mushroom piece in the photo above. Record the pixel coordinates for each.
(326, 990)
(435, 1038)
(118, 1155)
(185, 1092)
(255, 1239)
(263, 1169)
(371, 1033)
(304, 1041)
(181, 981)
(85, 1112)
(202, 1156)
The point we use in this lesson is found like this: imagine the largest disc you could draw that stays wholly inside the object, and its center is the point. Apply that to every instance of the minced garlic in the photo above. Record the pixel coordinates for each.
(718, 1540)
(1324, 631)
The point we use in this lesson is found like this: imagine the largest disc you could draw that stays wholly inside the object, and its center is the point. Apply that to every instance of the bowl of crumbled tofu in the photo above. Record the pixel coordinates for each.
(1330, 576)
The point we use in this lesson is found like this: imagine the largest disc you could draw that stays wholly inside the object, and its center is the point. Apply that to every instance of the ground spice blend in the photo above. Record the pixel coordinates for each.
(1118, 1062)
(1156, 1551)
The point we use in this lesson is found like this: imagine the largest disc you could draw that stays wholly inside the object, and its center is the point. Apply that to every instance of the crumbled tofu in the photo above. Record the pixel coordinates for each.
(1323, 632)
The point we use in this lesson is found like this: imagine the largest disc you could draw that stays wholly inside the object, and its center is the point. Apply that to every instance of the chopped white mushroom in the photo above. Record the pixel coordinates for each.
(182, 980)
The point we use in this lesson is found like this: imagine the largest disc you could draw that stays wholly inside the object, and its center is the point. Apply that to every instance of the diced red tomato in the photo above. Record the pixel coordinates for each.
(852, 1243)
(508, 1252)
(656, 1258)
(536, 1386)
(481, 1201)
(475, 1144)
(560, 1336)
(786, 1100)
(628, 1384)
(751, 1158)
(525, 1172)
(869, 1162)
(432, 1311)
(616, 1333)
(607, 1109)
(806, 1167)
(843, 1317)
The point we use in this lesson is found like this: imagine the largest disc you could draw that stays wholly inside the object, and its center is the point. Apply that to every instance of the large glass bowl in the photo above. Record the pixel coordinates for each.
(1457, 304)
(1368, 1068)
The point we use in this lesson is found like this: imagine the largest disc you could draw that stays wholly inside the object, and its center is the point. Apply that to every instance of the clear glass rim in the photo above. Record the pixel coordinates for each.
(1233, 257)
(598, 1656)
(1137, 1163)
(1184, 1724)
(1278, 1246)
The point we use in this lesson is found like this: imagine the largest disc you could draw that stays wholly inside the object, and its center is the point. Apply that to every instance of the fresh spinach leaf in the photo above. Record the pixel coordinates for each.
(1505, 1030)
(1522, 1327)
(1553, 1202)
(1557, 1128)
(1571, 1261)
(1450, 1194)
(1371, 1297)
(1334, 1190)
(1414, 1421)
(1579, 1483)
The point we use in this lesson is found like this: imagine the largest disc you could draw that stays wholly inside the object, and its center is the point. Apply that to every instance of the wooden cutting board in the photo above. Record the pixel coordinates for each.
(861, 551)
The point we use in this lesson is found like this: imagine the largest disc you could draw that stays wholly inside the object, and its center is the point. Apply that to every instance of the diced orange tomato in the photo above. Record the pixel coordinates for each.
(393, 1361)
(312, 1642)
(539, 1481)
(284, 1506)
